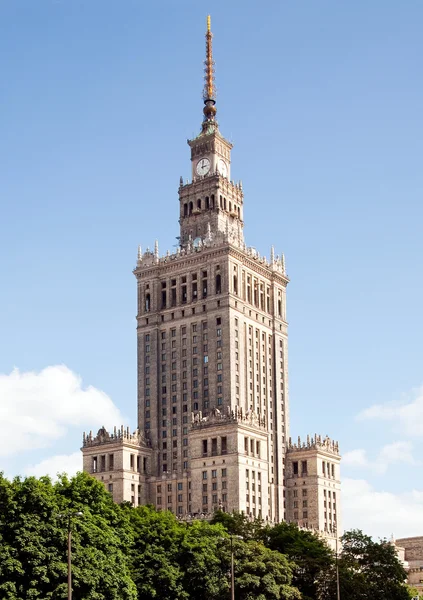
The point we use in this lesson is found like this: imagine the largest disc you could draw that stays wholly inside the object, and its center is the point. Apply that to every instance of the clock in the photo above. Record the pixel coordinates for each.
(222, 167)
(203, 166)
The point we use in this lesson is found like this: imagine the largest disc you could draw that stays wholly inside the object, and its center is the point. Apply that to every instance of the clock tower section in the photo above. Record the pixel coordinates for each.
(211, 205)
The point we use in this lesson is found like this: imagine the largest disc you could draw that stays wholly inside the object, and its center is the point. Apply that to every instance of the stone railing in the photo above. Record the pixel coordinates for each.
(216, 417)
(119, 435)
(317, 442)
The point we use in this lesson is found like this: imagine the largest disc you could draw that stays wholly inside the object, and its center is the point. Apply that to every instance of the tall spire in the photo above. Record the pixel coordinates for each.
(209, 93)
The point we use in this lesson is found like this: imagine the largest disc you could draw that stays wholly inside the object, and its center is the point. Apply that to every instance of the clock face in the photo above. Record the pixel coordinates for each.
(223, 169)
(203, 166)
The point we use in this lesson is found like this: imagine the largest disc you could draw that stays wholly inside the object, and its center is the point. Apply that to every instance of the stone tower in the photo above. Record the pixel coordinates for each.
(213, 408)
(313, 496)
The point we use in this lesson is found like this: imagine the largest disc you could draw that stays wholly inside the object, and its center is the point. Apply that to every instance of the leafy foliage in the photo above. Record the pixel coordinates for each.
(368, 570)
(126, 553)
(33, 543)
(310, 554)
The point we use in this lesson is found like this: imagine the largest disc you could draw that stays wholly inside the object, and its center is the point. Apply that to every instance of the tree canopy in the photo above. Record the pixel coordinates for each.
(125, 553)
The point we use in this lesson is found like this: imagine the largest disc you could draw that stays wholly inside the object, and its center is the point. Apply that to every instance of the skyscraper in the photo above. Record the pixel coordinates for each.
(212, 338)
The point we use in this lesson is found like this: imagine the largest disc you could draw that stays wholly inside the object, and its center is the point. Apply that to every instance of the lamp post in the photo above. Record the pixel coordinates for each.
(338, 593)
(68, 516)
(239, 537)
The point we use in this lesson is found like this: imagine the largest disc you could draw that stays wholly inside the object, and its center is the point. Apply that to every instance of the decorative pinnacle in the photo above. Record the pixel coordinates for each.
(209, 93)
(209, 87)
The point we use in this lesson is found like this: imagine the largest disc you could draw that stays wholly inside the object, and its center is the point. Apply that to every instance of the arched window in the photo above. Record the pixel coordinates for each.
(218, 284)
(191, 206)
(185, 209)
(221, 201)
(207, 203)
(147, 303)
(239, 213)
(224, 203)
(212, 201)
(235, 285)
(199, 203)
(230, 206)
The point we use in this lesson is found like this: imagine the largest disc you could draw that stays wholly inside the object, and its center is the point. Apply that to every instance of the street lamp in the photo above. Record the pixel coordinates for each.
(239, 537)
(338, 593)
(68, 516)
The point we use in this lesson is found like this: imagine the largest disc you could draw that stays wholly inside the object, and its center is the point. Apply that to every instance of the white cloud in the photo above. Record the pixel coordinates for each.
(407, 415)
(380, 513)
(61, 463)
(391, 454)
(38, 408)
(355, 458)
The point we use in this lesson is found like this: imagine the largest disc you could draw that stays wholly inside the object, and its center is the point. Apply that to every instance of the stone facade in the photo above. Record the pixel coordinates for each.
(212, 339)
(314, 485)
(121, 460)
(410, 551)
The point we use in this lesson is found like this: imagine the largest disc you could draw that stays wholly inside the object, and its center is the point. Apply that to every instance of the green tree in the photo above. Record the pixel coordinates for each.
(368, 570)
(238, 523)
(33, 543)
(262, 574)
(157, 539)
(204, 560)
(309, 554)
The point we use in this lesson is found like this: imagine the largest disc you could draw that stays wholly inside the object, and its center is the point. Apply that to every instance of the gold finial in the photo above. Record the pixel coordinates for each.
(209, 93)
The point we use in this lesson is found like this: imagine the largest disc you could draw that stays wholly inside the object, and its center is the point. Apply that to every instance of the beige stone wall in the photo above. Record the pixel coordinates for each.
(313, 497)
(224, 350)
(122, 465)
(212, 365)
(413, 555)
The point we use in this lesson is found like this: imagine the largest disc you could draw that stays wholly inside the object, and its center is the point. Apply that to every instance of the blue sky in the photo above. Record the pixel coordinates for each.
(323, 103)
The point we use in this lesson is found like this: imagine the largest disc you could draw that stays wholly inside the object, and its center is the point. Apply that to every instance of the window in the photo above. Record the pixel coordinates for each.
(223, 472)
(214, 473)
